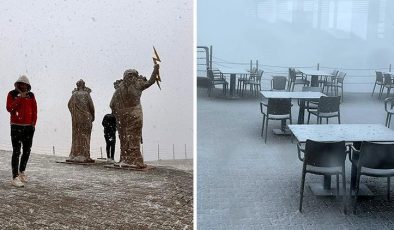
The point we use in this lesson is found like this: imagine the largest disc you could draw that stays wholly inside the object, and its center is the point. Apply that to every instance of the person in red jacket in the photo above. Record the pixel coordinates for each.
(22, 106)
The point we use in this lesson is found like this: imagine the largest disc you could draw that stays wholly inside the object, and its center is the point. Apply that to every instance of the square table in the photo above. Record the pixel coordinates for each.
(350, 133)
(314, 75)
(303, 95)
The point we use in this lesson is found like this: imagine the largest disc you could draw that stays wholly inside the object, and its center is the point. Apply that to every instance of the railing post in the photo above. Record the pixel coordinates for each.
(390, 68)
(53, 150)
(101, 151)
(185, 152)
(257, 64)
(173, 151)
(318, 66)
(158, 152)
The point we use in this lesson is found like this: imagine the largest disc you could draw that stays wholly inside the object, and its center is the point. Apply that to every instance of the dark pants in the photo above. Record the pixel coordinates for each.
(111, 141)
(20, 136)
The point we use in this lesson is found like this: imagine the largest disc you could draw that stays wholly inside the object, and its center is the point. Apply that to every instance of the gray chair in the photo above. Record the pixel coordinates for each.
(216, 78)
(375, 160)
(323, 158)
(324, 80)
(278, 83)
(276, 109)
(387, 83)
(241, 82)
(378, 81)
(328, 107)
(312, 103)
(295, 79)
(254, 82)
(389, 107)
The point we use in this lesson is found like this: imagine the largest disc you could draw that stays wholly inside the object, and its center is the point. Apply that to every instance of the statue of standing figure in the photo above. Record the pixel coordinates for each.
(126, 106)
(82, 113)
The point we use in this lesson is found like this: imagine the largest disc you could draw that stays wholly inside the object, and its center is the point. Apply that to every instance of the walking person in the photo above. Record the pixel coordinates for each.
(109, 124)
(22, 106)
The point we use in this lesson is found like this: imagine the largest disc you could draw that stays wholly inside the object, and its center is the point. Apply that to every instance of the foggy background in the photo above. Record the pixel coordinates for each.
(356, 37)
(56, 43)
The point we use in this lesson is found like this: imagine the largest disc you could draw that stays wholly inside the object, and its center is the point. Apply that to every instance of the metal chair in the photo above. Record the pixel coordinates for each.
(311, 104)
(254, 82)
(375, 160)
(241, 82)
(389, 107)
(387, 83)
(378, 81)
(323, 158)
(328, 107)
(278, 83)
(276, 109)
(294, 81)
(324, 81)
(216, 78)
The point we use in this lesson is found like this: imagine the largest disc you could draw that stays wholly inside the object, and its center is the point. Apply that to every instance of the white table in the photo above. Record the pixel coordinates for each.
(351, 133)
(314, 75)
(304, 95)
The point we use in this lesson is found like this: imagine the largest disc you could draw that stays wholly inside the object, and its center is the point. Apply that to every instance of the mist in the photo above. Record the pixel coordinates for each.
(356, 37)
(56, 43)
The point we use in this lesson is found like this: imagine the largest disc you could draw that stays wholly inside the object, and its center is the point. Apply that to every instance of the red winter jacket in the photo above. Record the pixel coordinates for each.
(23, 111)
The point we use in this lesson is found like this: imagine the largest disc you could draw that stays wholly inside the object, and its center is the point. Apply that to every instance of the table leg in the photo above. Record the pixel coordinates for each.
(232, 84)
(301, 113)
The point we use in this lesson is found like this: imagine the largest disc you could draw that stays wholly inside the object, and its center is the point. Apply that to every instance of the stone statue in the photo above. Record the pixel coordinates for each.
(126, 106)
(82, 113)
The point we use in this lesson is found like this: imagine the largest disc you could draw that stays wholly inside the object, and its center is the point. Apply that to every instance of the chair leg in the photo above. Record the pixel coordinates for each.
(266, 129)
(339, 119)
(342, 93)
(344, 190)
(302, 189)
(387, 120)
(373, 89)
(388, 188)
(309, 116)
(262, 126)
(356, 194)
(327, 120)
(337, 184)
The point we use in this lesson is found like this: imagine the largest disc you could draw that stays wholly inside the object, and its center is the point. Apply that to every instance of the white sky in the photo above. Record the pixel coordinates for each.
(56, 43)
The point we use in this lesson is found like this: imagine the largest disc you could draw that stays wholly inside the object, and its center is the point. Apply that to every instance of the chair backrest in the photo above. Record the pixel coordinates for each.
(278, 83)
(311, 89)
(379, 76)
(279, 106)
(334, 72)
(210, 74)
(256, 76)
(329, 104)
(341, 77)
(387, 79)
(376, 155)
(292, 74)
(325, 154)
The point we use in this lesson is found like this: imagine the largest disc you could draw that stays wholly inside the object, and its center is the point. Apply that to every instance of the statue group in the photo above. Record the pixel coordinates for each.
(125, 105)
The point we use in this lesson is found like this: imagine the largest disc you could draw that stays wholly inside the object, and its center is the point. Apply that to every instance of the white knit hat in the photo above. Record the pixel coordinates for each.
(23, 79)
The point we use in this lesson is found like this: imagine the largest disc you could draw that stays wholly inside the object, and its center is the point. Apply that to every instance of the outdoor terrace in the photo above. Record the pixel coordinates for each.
(244, 183)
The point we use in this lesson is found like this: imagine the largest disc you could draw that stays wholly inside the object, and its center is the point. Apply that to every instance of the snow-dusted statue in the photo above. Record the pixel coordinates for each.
(126, 106)
(82, 113)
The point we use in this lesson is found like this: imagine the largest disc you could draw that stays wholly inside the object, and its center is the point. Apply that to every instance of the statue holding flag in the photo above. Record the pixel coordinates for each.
(126, 107)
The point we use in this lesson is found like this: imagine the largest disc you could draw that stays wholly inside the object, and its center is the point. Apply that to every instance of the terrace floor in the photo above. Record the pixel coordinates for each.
(243, 183)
